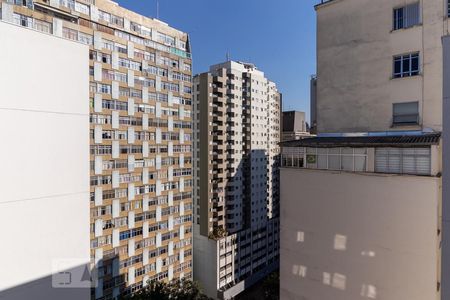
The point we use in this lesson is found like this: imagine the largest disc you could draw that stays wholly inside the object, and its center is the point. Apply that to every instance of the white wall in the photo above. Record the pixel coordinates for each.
(379, 231)
(44, 116)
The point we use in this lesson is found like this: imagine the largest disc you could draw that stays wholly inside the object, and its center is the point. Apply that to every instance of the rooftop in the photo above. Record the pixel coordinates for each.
(322, 2)
(366, 141)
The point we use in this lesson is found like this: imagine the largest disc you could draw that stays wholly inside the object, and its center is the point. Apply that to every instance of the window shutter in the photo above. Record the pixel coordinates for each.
(381, 161)
(406, 112)
(412, 14)
(423, 160)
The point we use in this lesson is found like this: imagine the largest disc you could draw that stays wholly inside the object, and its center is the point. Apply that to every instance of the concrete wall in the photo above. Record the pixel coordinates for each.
(44, 207)
(205, 263)
(355, 49)
(358, 236)
(445, 280)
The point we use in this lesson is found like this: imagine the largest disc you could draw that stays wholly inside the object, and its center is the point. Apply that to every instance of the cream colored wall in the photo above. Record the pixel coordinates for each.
(355, 49)
(390, 226)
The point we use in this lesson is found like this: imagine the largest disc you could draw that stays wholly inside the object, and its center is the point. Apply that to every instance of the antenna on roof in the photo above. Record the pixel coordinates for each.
(228, 56)
(157, 9)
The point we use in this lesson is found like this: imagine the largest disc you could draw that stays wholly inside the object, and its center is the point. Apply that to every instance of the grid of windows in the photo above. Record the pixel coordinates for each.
(346, 159)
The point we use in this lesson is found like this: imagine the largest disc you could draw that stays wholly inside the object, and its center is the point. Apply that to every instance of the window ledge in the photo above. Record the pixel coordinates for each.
(394, 125)
(405, 28)
(406, 77)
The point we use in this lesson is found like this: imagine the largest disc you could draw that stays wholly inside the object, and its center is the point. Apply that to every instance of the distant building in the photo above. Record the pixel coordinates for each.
(294, 125)
(313, 104)
(363, 215)
(237, 113)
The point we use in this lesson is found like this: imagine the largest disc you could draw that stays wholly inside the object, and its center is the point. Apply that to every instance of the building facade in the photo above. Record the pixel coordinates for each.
(374, 170)
(236, 136)
(140, 137)
(387, 70)
(44, 210)
(294, 125)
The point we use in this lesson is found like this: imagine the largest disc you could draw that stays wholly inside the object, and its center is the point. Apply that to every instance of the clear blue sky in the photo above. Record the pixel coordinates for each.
(276, 35)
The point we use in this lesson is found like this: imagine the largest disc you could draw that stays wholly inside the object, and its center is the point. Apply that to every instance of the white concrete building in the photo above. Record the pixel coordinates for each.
(44, 207)
(236, 134)
(361, 204)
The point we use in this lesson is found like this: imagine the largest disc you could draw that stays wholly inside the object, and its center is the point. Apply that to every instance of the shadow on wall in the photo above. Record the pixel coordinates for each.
(77, 283)
(256, 238)
(68, 284)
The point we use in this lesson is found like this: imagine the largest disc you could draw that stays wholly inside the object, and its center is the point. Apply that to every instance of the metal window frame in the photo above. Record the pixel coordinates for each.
(406, 73)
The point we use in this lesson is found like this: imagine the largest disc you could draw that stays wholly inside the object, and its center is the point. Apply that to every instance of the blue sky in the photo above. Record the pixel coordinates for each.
(276, 35)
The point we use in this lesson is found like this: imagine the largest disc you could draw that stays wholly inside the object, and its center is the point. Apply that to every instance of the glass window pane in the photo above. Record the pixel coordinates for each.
(347, 163)
(347, 150)
(322, 162)
(360, 150)
(406, 64)
(415, 63)
(360, 163)
(334, 162)
(334, 150)
(397, 66)
(322, 150)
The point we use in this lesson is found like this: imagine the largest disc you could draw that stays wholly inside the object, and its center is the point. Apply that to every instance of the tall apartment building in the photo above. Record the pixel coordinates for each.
(362, 205)
(236, 192)
(140, 130)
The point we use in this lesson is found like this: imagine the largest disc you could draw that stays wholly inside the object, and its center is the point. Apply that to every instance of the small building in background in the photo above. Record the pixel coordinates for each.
(294, 125)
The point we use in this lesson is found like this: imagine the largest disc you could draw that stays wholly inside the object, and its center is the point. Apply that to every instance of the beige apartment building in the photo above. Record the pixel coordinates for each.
(362, 213)
(140, 137)
(236, 192)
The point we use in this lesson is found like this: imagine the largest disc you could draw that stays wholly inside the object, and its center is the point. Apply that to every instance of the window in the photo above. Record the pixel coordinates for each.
(70, 4)
(23, 20)
(43, 26)
(82, 8)
(118, 21)
(28, 3)
(85, 38)
(406, 65)
(406, 16)
(70, 34)
(347, 159)
(104, 16)
(448, 8)
(406, 113)
(415, 161)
